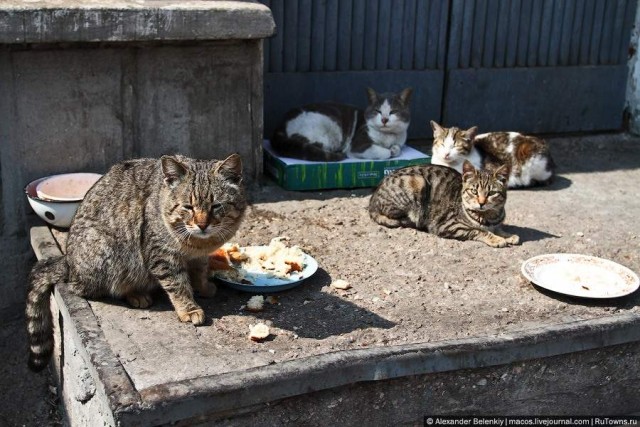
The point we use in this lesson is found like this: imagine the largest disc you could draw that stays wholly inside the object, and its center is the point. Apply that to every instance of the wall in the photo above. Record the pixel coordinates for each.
(83, 88)
(633, 83)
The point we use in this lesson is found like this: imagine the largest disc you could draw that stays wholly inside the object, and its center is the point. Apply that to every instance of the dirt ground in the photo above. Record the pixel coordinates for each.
(410, 286)
(407, 286)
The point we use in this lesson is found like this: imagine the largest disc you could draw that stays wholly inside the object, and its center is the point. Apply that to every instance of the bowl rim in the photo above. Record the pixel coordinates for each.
(37, 181)
(93, 176)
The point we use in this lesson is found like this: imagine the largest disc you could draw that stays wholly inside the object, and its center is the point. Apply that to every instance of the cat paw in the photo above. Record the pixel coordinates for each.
(497, 242)
(207, 289)
(139, 300)
(513, 239)
(195, 316)
(395, 150)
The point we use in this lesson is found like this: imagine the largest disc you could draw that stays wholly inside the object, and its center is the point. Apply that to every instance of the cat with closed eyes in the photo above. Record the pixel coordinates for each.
(440, 201)
(146, 224)
(528, 157)
(332, 132)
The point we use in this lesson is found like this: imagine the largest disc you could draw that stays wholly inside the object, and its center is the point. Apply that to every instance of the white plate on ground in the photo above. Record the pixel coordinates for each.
(264, 283)
(580, 275)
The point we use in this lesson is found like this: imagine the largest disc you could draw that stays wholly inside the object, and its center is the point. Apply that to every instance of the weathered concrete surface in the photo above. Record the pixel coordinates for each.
(422, 311)
(597, 382)
(62, 21)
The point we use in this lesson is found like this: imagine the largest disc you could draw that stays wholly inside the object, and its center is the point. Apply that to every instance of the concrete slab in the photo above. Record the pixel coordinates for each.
(62, 21)
(425, 316)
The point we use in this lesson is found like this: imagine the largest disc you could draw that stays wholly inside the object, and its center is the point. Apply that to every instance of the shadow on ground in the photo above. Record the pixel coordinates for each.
(26, 398)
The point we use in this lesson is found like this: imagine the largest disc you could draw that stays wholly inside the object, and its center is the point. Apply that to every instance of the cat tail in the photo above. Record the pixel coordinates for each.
(298, 147)
(44, 276)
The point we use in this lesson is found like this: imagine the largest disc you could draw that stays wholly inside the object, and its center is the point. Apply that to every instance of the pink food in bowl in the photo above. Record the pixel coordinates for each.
(66, 187)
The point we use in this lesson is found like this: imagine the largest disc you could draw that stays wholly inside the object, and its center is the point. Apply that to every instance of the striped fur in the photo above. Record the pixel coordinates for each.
(439, 200)
(527, 157)
(147, 223)
(43, 276)
(331, 132)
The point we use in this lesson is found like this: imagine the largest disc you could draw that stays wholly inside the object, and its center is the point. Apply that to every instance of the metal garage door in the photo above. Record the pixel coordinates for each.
(528, 65)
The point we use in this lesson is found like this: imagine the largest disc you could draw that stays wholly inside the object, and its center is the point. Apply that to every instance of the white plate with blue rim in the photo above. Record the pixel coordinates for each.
(263, 282)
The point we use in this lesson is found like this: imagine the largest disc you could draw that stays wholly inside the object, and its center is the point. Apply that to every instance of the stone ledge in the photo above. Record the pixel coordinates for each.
(61, 21)
(230, 393)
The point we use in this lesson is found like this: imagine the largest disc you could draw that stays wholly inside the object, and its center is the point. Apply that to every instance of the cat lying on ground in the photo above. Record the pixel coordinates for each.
(439, 200)
(527, 157)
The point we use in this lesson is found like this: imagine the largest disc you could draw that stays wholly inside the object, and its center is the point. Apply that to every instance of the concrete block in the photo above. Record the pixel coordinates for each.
(52, 21)
(202, 100)
(72, 104)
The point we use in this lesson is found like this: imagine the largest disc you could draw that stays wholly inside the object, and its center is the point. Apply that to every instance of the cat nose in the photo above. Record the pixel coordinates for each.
(482, 201)
(384, 120)
(202, 226)
(446, 156)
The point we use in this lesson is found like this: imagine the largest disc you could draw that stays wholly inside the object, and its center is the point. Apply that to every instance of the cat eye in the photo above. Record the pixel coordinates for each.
(473, 191)
(378, 111)
(217, 207)
(393, 112)
(187, 207)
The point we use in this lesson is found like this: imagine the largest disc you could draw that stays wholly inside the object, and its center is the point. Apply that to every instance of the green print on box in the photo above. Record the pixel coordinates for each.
(294, 174)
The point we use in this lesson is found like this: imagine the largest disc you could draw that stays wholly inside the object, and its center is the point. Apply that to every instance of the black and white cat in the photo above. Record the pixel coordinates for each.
(331, 131)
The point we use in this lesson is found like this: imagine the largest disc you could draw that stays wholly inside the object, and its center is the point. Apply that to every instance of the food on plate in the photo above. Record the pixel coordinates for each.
(222, 258)
(239, 264)
(258, 332)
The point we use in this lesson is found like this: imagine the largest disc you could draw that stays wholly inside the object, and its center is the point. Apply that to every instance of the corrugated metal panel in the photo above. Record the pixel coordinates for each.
(350, 35)
(458, 55)
(539, 33)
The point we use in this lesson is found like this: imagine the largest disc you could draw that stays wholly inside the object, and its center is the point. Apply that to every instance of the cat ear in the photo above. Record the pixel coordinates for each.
(173, 170)
(405, 95)
(468, 171)
(437, 129)
(472, 132)
(230, 168)
(372, 95)
(502, 174)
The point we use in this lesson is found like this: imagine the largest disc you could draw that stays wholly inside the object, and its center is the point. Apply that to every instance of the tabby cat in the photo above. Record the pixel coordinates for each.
(527, 157)
(439, 200)
(332, 132)
(146, 223)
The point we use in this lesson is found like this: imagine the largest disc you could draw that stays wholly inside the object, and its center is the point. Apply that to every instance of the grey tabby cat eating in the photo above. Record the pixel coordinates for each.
(332, 132)
(440, 201)
(147, 223)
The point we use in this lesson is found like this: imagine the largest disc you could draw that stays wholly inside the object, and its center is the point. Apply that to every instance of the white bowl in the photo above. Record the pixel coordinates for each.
(66, 187)
(58, 213)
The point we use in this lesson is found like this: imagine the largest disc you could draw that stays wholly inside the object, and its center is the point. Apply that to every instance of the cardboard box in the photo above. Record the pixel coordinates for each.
(295, 174)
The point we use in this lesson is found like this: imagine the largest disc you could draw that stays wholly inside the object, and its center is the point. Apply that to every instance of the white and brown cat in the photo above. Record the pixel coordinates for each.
(528, 158)
(331, 132)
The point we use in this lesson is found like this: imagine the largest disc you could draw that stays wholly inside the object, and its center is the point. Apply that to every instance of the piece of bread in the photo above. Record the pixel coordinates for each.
(258, 332)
